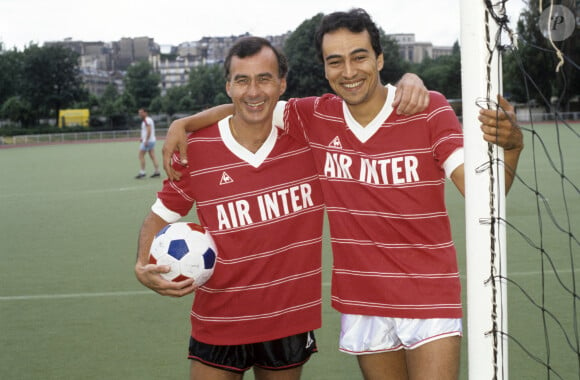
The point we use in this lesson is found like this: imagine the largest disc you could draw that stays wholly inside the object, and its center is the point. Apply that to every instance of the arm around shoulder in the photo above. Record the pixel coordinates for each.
(176, 139)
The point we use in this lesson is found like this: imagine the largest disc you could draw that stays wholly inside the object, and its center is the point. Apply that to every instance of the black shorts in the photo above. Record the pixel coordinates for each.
(279, 354)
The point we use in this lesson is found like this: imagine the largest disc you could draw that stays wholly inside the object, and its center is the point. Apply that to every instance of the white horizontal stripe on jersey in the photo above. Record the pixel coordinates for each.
(278, 281)
(270, 221)
(394, 245)
(273, 252)
(432, 276)
(229, 319)
(260, 191)
(387, 215)
(397, 306)
(437, 182)
(239, 164)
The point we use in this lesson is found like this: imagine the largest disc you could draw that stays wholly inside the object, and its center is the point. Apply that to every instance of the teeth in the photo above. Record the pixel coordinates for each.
(255, 104)
(352, 85)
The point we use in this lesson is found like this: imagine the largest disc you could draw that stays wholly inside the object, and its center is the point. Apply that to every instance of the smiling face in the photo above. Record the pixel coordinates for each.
(351, 66)
(254, 86)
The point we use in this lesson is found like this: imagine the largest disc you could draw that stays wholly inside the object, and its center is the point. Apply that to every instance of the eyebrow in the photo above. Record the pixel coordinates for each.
(355, 51)
(261, 75)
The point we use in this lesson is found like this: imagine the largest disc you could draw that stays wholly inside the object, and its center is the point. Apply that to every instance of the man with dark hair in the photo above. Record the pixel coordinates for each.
(256, 190)
(395, 275)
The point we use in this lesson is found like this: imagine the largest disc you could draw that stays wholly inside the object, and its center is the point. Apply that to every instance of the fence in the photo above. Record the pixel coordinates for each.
(59, 138)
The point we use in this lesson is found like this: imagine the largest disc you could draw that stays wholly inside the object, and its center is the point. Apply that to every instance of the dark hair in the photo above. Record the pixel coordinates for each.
(249, 46)
(356, 20)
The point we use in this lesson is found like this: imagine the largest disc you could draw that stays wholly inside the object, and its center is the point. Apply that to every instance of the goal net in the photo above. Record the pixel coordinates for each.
(522, 252)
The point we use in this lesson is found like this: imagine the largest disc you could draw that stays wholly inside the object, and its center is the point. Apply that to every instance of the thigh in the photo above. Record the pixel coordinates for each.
(286, 374)
(285, 353)
(200, 371)
(436, 360)
(234, 359)
(389, 365)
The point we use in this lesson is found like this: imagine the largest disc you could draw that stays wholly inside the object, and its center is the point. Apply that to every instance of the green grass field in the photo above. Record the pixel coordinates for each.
(71, 308)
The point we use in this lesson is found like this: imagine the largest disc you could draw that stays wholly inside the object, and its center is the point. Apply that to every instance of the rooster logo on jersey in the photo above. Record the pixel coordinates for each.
(335, 143)
(226, 179)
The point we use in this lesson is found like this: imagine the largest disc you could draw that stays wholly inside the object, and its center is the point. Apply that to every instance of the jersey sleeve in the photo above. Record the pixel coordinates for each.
(446, 133)
(453, 161)
(297, 115)
(278, 118)
(164, 213)
(173, 201)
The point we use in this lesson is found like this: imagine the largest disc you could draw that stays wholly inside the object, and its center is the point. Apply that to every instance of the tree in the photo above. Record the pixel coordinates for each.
(177, 99)
(112, 108)
(51, 79)
(530, 70)
(17, 110)
(306, 74)
(142, 83)
(443, 74)
(10, 74)
(394, 66)
(205, 83)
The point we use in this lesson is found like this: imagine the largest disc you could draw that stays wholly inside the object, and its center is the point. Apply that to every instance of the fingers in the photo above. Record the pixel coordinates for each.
(177, 289)
(150, 276)
(500, 126)
(172, 174)
(411, 95)
(504, 104)
(411, 100)
(182, 153)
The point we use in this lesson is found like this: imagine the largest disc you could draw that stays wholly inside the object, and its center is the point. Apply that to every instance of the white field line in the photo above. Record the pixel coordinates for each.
(69, 193)
(150, 292)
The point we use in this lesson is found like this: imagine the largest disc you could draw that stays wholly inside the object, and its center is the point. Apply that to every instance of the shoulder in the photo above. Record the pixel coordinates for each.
(437, 99)
(212, 130)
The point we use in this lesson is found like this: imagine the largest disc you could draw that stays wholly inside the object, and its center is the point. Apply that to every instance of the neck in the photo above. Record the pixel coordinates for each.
(366, 111)
(251, 137)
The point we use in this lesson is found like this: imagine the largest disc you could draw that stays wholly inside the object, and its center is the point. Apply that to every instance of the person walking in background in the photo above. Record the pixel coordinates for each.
(147, 144)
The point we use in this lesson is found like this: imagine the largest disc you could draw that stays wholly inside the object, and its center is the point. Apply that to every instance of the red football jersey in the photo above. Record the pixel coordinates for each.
(383, 186)
(265, 213)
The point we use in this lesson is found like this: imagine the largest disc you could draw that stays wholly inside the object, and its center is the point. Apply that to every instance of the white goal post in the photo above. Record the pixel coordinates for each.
(486, 295)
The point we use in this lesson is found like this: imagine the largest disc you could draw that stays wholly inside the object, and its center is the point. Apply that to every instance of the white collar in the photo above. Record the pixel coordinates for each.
(254, 159)
(365, 133)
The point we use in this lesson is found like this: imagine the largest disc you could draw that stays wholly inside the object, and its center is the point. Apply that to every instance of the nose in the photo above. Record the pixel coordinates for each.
(349, 70)
(253, 88)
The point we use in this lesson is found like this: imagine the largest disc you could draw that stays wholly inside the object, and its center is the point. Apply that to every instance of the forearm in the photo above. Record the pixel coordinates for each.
(511, 159)
(204, 118)
(151, 225)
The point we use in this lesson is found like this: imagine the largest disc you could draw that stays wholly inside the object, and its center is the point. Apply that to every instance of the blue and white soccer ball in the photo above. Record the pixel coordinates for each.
(188, 249)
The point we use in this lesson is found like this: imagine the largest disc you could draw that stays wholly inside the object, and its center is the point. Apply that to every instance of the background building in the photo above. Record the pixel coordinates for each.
(104, 63)
(415, 52)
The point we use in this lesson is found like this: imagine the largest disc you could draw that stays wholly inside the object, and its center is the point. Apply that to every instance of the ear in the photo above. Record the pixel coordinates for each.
(380, 62)
(228, 89)
(283, 86)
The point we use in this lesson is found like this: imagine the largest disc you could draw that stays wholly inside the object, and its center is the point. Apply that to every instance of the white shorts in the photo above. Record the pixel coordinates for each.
(365, 334)
(146, 147)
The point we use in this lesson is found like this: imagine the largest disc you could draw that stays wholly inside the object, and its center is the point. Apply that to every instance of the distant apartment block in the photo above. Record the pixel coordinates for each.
(104, 63)
(415, 52)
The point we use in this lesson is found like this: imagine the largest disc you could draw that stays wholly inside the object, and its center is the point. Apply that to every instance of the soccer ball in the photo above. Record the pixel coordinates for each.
(188, 249)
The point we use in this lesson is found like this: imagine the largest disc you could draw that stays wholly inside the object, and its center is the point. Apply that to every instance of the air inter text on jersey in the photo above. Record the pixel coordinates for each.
(394, 170)
(269, 205)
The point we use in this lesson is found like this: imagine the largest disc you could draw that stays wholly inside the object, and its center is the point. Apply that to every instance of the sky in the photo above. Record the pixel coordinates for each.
(171, 22)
